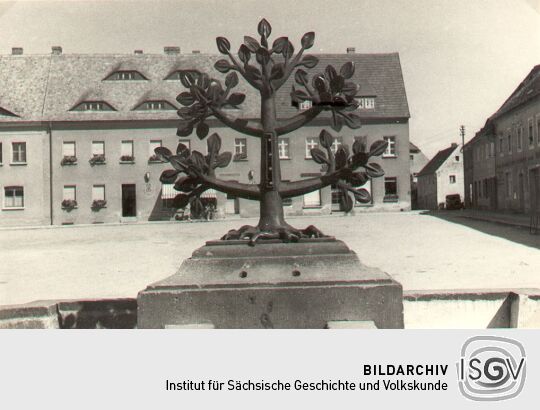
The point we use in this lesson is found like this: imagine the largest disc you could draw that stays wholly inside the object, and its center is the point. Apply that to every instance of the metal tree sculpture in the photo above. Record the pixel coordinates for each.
(194, 172)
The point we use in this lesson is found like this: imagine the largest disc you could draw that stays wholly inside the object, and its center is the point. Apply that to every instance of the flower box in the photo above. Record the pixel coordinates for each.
(155, 158)
(99, 203)
(69, 160)
(97, 160)
(69, 204)
(127, 158)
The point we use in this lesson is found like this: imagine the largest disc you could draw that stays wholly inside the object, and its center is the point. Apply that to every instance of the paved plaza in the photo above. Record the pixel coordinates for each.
(420, 251)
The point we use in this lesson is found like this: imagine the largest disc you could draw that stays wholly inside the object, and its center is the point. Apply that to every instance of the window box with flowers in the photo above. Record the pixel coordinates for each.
(155, 158)
(69, 160)
(98, 204)
(127, 159)
(69, 204)
(97, 159)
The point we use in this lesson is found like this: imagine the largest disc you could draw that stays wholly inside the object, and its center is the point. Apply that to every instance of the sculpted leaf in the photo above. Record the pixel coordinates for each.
(252, 44)
(202, 130)
(236, 98)
(223, 45)
(288, 50)
(341, 158)
(308, 39)
(279, 44)
(347, 70)
(318, 156)
(357, 179)
(263, 56)
(253, 72)
(309, 61)
(198, 160)
(264, 28)
(326, 139)
(222, 66)
(359, 159)
(346, 201)
(185, 98)
(163, 152)
(178, 163)
(358, 146)
(214, 144)
(168, 176)
(244, 54)
(187, 78)
(377, 148)
(374, 170)
(231, 80)
(352, 121)
(182, 150)
(277, 71)
(185, 184)
(301, 77)
(223, 159)
(362, 195)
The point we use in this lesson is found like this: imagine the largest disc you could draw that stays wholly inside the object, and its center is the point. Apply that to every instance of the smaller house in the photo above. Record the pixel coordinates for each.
(441, 176)
(418, 160)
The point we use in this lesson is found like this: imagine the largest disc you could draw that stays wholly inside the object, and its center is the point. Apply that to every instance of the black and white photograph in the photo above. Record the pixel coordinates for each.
(194, 165)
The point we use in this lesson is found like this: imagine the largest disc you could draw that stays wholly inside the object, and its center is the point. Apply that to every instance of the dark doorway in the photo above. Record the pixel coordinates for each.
(129, 200)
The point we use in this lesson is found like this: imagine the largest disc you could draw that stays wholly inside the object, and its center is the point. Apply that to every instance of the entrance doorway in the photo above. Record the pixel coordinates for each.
(129, 200)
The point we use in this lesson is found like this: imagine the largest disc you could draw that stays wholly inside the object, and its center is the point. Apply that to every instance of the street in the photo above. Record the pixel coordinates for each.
(420, 251)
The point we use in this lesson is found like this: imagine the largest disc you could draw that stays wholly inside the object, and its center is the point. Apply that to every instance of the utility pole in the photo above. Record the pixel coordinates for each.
(462, 133)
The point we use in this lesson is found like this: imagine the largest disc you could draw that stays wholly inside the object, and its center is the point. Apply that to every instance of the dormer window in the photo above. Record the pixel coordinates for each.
(305, 105)
(125, 75)
(93, 106)
(366, 103)
(155, 106)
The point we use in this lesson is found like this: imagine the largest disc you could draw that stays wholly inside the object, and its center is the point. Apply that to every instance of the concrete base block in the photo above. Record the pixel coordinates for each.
(272, 285)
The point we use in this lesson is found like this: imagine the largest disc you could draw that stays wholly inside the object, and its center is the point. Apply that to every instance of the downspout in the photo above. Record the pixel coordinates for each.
(49, 131)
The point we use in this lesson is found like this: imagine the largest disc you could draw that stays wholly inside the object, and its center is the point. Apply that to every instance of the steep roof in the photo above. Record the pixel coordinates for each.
(413, 148)
(47, 87)
(526, 91)
(433, 165)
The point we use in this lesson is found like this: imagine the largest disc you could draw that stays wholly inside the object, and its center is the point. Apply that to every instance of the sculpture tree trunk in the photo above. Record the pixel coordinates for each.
(271, 204)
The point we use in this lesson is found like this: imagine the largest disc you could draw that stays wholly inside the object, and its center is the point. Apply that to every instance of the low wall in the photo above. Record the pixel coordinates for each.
(434, 309)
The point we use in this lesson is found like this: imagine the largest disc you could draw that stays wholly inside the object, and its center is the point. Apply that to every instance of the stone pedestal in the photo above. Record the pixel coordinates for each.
(308, 284)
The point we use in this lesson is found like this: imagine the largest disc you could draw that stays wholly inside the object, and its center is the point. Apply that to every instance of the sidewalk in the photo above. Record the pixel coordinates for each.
(518, 220)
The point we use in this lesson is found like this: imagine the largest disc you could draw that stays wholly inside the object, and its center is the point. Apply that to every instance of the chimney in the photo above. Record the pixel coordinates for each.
(196, 52)
(454, 145)
(17, 51)
(351, 50)
(171, 50)
(56, 50)
(137, 52)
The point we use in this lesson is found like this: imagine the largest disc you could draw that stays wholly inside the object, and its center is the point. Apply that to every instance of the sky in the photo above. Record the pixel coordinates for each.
(461, 59)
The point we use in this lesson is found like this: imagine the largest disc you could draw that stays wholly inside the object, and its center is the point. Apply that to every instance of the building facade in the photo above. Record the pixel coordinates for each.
(90, 137)
(441, 176)
(503, 161)
(418, 161)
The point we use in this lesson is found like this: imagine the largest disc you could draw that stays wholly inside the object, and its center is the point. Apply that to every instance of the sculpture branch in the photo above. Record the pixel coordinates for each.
(238, 67)
(296, 188)
(298, 121)
(247, 191)
(288, 70)
(247, 127)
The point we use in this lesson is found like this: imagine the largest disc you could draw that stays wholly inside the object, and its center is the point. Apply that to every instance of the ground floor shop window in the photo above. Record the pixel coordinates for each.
(390, 189)
(312, 199)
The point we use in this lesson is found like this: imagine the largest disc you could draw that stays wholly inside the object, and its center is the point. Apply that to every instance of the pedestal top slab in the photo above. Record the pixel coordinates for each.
(313, 262)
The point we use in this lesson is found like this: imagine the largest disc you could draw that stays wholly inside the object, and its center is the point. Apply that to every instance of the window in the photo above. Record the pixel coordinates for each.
(283, 146)
(155, 106)
(98, 148)
(13, 197)
(390, 148)
(456, 158)
(312, 199)
(508, 180)
(1, 153)
(509, 138)
(531, 134)
(68, 149)
(366, 103)
(519, 138)
(492, 149)
(125, 75)
(126, 151)
(452, 179)
(93, 106)
(390, 189)
(411, 157)
(310, 144)
(305, 105)
(98, 193)
(501, 149)
(338, 142)
(69, 193)
(153, 145)
(19, 152)
(240, 148)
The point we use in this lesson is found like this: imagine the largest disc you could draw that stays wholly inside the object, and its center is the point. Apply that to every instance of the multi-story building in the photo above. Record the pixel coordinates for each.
(91, 123)
(503, 161)
(441, 176)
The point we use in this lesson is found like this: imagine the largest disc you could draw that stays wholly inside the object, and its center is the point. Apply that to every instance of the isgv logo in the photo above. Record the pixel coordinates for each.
(491, 368)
